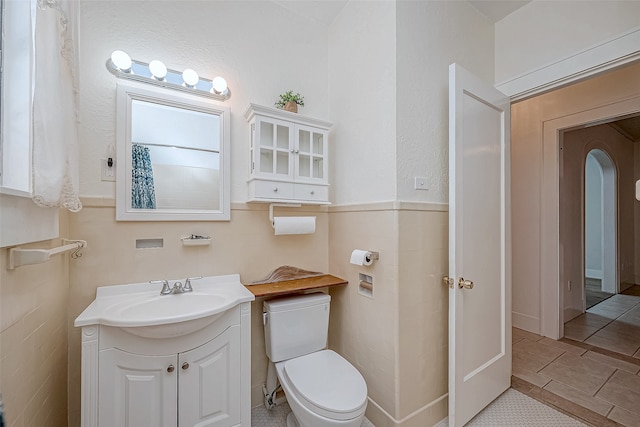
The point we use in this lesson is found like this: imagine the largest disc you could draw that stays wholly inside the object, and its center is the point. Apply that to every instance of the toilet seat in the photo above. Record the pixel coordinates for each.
(325, 383)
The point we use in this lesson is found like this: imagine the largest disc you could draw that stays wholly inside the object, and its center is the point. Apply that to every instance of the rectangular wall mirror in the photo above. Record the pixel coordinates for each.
(173, 156)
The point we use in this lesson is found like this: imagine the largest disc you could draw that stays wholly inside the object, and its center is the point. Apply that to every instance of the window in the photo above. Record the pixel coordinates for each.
(21, 220)
(16, 96)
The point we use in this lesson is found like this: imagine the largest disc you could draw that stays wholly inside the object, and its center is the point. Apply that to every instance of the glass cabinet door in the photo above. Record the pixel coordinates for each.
(311, 153)
(274, 142)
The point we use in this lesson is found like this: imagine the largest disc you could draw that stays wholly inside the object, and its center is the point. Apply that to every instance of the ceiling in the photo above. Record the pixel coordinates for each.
(319, 10)
(629, 127)
(495, 10)
(326, 11)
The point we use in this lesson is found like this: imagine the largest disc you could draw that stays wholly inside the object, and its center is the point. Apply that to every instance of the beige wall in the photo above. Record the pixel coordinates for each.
(576, 145)
(33, 338)
(532, 205)
(245, 245)
(398, 337)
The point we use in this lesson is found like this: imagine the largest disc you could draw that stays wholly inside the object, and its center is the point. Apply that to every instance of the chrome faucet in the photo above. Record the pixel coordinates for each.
(187, 283)
(177, 287)
(166, 290)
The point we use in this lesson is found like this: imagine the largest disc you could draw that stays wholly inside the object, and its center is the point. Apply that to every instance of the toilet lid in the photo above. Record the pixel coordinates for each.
(328, 381)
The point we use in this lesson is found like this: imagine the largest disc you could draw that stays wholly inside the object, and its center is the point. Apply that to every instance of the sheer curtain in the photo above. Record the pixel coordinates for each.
(55, 138)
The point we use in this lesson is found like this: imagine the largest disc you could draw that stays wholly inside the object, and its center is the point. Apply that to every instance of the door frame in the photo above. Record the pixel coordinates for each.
(551, 302)
(590, 62)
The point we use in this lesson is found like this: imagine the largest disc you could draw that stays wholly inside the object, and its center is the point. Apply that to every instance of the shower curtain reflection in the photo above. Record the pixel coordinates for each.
(142, 190)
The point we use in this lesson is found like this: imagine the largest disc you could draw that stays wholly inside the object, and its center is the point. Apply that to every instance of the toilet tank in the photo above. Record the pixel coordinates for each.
(295, 326)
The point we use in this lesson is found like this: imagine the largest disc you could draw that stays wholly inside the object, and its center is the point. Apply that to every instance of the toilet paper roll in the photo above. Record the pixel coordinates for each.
(294, 225)
(360, 257)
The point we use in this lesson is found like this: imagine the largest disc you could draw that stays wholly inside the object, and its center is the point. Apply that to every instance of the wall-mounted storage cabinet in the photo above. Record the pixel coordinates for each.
(289, 157)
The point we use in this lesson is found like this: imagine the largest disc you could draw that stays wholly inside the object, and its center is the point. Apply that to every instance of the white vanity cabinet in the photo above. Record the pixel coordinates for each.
(133, 377)
(209, 382)
(289, 157)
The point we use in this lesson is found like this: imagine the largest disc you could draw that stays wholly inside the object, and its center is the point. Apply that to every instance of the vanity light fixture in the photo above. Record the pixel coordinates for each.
(190, 78)
(121, 65)
(121, 61)
(158, 70)
(219, 85)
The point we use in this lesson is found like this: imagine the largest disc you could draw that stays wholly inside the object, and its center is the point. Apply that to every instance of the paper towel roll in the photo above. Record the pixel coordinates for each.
(294, 225)
(360, 257)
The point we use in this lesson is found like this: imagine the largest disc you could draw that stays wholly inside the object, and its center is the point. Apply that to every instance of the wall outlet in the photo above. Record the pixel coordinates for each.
(420, 183)
(107, 173)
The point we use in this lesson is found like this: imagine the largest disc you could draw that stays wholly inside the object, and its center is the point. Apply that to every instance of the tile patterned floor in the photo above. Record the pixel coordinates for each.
(513, 408)
(277, 417)
(591, 383)
(593, 292)
(613, 324)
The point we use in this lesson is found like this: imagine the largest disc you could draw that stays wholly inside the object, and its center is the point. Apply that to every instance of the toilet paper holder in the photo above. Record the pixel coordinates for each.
(373, 256)
(363, 257)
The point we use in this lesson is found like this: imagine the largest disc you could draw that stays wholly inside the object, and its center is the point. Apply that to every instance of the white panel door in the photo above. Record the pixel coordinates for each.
(479, 245)
(209, 384)
(137, 391)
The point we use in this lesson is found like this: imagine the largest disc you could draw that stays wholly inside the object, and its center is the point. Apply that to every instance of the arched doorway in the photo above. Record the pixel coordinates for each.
(600, 225)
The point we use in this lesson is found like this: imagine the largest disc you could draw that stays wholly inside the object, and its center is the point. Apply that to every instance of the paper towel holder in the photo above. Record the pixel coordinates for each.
(281, 205)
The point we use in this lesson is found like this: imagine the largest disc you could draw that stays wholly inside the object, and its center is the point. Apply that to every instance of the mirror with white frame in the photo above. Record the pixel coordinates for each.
(173, 156)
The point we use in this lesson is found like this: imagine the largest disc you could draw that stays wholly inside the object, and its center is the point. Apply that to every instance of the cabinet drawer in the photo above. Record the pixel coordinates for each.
(317, 193)
(271, 189)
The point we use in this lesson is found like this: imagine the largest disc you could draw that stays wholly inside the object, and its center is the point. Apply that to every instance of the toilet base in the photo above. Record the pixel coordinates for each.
(292, 421)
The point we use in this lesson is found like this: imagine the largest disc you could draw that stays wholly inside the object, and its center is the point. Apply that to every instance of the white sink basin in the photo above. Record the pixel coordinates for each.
(167, 306)
(141, 310)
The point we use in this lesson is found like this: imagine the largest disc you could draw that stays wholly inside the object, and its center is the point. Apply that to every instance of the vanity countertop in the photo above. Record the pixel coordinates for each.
(295, 285)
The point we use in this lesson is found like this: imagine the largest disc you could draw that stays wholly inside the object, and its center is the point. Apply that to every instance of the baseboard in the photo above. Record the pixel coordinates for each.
(570, 313)
(593, 274)
(428, 415)
(525, 322)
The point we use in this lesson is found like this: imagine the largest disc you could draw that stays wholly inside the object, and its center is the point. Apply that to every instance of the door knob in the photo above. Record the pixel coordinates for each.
(447, 281)
(170, 368)
(185, 365)
(467, 284)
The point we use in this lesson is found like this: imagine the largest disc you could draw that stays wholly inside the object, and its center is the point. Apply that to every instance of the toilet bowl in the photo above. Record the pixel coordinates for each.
(322, 388)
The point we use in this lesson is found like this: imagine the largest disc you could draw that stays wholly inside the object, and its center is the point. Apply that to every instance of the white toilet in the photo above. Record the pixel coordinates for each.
(322, 388)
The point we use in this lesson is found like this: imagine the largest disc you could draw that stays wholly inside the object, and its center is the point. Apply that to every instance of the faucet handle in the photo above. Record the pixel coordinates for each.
(177, 288)
(166, 290)
(187, 283)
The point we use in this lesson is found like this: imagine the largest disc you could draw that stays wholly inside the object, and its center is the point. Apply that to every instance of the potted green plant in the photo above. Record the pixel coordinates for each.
(289, 101)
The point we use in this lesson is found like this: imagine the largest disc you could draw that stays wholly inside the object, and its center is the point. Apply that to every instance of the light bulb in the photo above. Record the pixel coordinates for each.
(219, 85)
(158, 69)
(190, 77)
(121, 61)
